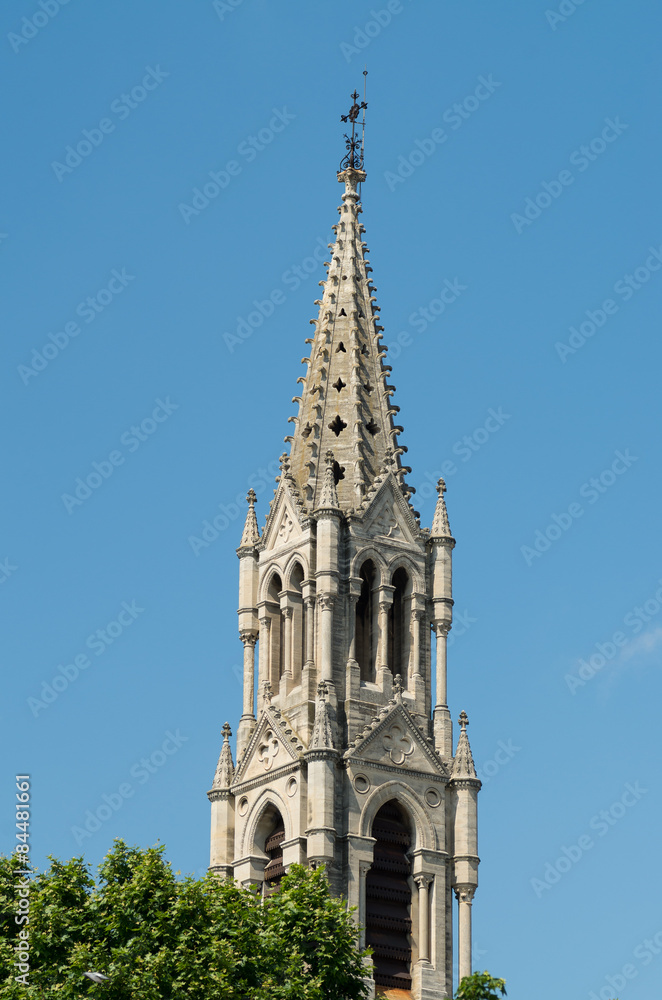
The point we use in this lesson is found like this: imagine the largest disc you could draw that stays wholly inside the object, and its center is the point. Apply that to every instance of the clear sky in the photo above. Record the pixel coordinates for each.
(512, 155)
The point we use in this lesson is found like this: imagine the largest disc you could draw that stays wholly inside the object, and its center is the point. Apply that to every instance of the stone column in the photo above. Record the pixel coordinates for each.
(287, 612)
(309, 603)
(364, 868)
(352, 601)
(423, 883)
(249, 639)
(382, 654)
(443, 726)
(464, 895)
(326, 604)
(415, 658)
(264, 662)
(441, 630)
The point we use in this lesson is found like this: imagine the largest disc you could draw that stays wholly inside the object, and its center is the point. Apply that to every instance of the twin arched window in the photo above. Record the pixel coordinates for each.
(397, 640)
(287, 613)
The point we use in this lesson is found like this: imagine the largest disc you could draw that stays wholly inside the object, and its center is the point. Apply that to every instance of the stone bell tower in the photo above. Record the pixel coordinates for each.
(345, 746)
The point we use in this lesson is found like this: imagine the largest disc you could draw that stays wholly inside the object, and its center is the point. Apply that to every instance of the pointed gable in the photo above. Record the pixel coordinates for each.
(284, 521)
(387, 514)
(273, 745)
(393, 739)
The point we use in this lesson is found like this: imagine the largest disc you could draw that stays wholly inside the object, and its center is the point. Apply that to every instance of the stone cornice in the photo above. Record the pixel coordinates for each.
(269, 777)
(219, 794)
(393, 769)
(466, 783)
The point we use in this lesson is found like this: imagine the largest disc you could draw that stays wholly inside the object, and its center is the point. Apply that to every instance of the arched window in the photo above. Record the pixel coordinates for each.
(398, 626)
(269, 837)
(273, 848)
(388, 899)
(276, 632)
(366, 630)
(298, 622)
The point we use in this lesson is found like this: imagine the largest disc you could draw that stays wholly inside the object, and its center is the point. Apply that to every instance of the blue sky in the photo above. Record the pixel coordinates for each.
(511, 154)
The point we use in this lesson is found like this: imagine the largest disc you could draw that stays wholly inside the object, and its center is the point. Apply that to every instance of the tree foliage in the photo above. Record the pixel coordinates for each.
(481, 986)
(156, 936)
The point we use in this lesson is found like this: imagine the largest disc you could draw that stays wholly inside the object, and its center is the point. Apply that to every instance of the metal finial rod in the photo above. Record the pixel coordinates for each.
(354, 157)
(364, 106)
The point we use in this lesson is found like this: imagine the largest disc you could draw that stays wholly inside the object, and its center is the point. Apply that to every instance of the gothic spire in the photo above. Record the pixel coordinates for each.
(345, 399)
(463, 765)
(251, 533)
(225, 767)
(440, 526)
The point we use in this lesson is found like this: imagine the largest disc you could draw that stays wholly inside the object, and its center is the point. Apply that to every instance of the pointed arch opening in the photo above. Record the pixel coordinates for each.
(366, 623)
(298, 621)
(388, 898)
(269, 837)
(275, 631)
(398, 625)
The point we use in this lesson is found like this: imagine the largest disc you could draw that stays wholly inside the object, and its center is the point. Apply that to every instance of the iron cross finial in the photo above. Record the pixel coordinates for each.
(353, 143)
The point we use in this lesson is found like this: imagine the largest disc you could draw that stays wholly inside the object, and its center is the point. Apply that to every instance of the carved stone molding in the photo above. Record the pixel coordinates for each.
(464, 893)
(398, 743)
(268, 750)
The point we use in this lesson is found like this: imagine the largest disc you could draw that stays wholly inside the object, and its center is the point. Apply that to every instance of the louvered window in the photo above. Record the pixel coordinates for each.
(273, 847)
(388, 900)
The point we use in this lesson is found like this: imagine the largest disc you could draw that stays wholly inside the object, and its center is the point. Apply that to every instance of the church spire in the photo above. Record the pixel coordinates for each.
(345, 401)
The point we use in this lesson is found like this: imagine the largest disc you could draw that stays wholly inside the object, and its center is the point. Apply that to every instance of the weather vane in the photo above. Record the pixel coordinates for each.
(354, 145)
